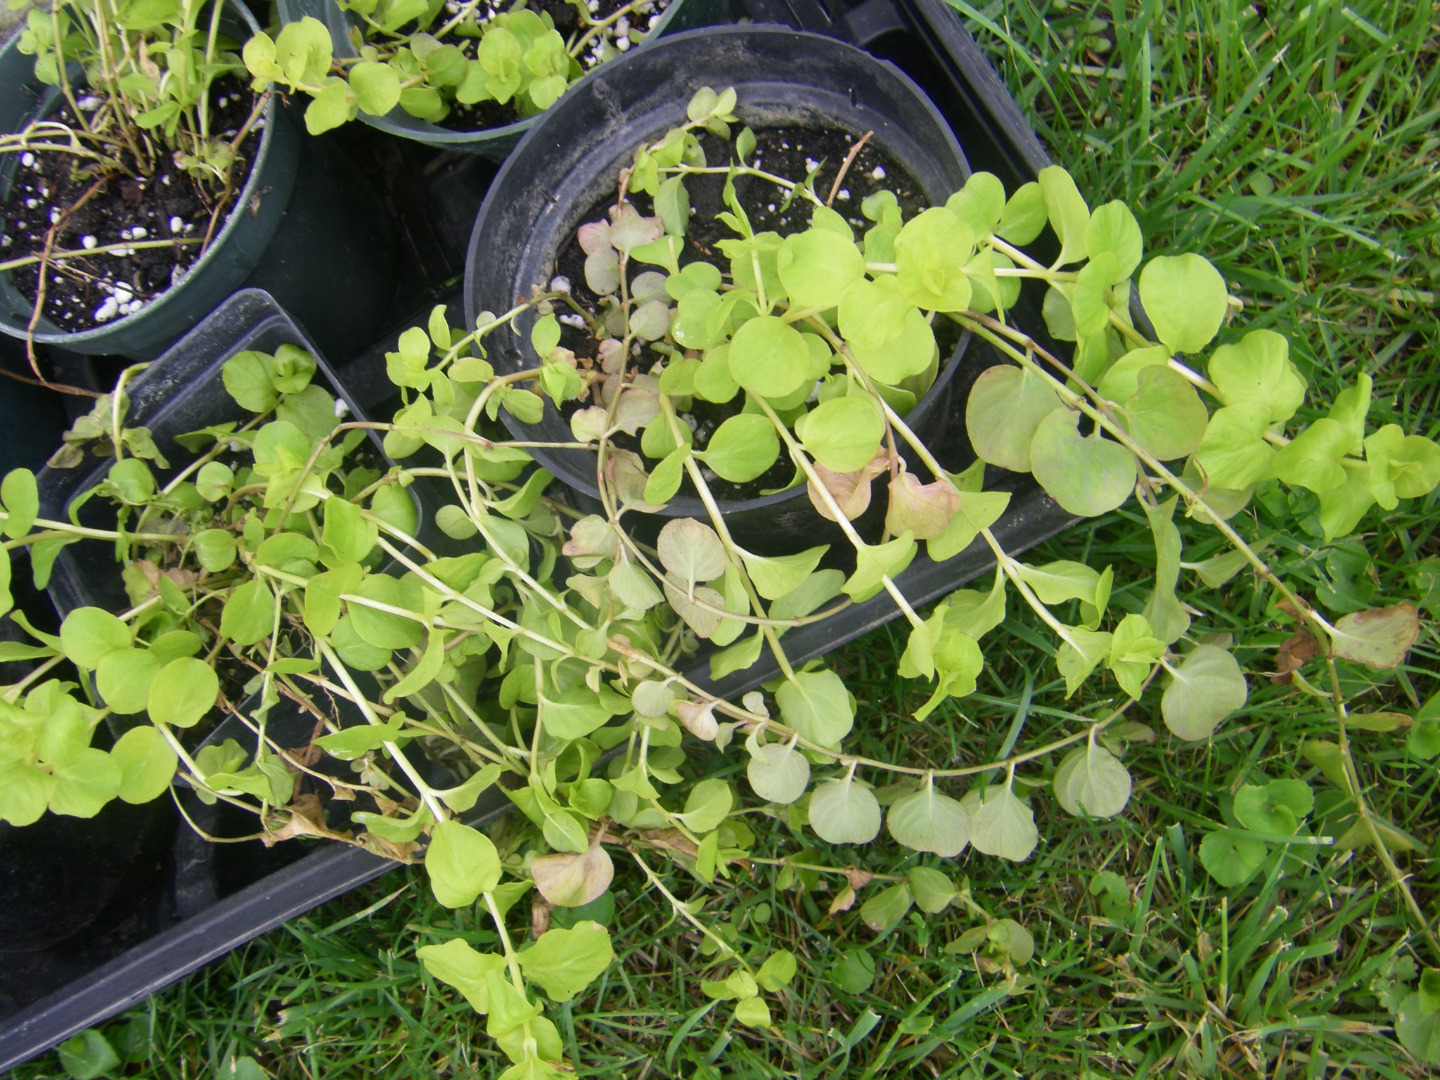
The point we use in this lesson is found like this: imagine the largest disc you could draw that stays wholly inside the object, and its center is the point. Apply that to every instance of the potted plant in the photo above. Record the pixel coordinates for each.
(468, 77)
(142, 183)
(840, 131)
(550, 656)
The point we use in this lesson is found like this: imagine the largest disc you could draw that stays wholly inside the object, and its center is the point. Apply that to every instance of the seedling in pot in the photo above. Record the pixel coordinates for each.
(111, 197)
(468, 65)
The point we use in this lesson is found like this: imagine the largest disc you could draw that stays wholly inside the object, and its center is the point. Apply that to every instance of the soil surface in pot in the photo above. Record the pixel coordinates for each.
(624, 34)
(791, 152)
(116, 216)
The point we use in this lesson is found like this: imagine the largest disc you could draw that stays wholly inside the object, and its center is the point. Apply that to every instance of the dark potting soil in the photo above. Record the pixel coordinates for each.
(50, 188)
(790, 152)
(625, 34)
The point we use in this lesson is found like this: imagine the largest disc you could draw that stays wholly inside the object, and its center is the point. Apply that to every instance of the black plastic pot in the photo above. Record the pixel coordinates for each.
(306, 227)
(180, 392)
(31, 417)
(133, 870)
(202, 911)
(572, 160)
(493, 143)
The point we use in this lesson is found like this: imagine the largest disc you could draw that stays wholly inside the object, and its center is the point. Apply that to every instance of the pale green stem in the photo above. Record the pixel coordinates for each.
(678, 906)
(798, 456)
(426, 793)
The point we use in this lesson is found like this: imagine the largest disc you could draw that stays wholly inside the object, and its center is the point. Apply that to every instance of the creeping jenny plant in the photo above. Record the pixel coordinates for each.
(430, 59)
(545, 654)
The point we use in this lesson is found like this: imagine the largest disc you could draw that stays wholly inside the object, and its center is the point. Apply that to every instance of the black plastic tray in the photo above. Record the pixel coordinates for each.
(434, 197)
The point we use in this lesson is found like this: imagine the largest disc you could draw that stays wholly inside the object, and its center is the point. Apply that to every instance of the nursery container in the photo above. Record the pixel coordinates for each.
(306, 227)
(493, 143)
(31, 416)
(197, 911)
(572, 159)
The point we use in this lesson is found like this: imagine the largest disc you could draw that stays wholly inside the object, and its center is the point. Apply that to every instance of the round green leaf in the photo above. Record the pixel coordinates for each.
(777, 773)
(817, 705)
(1257, 371)
(1277, 807)
(84, 786)
(1186, 300)
(844, 433)
(1091, 782)
(753, 1012)
(1005, 407)
(928, 820)
(24, 793)
(376, 86)
(1203, 689)
(1000, 823)
(395, 506)
(1231, 857)
(1113, 229)
(565, 961)
(215, 549)
(461, 863)
(911, 352)
(817, 266)
(147, 764)
(930, 256)
(249, 378)
(1024, 215)
(768, 357)
(873, 313)
(347, 534)
(249, 613)
(932, 890)
(1165, 415)
(884, 910)
(384, 629)
(742, 448)
(691, 551)
(1086, 475)
(183, 692)
(123, 679)
(21, 497)
(979, 203)
(89, 633)
(844, 812)
(1417, 1024)
(1069, 216)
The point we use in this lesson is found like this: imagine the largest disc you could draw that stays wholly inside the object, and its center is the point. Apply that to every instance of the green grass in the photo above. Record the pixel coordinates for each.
(1297, 152)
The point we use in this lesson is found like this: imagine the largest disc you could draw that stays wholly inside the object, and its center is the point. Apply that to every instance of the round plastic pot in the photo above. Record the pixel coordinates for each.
(573, 157)
(493, 143)
(306, 228)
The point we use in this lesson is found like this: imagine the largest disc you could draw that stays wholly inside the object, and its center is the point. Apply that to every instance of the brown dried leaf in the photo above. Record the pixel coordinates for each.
(851, 491)
(1296, 651)
(671, 840)
(923, 509)
(858, 878)
(540, 909)
(844, 901)
(699, 719)
(404, 853)
(305, 816)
